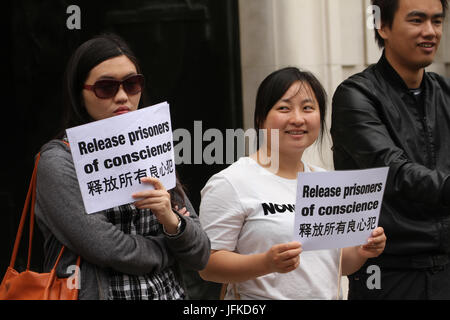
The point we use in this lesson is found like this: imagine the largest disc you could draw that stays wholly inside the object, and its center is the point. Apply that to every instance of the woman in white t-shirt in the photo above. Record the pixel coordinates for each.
(247, 210)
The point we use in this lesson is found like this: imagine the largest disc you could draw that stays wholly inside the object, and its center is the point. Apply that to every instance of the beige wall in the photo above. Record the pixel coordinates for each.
(326, 37)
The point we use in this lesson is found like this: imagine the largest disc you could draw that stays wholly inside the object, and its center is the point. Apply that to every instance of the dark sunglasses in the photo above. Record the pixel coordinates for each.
(106, 89)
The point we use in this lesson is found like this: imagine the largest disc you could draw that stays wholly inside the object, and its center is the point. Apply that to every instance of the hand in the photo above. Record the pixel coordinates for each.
(158, 200)
(183, 211)
(284, 257)
(375, 244)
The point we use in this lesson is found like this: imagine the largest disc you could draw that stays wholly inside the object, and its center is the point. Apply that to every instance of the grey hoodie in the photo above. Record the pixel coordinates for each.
(61, 217)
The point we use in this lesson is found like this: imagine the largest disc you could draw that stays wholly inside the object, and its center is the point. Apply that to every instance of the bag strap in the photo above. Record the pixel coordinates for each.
(223, 291)
(59, 258)
(31, 199)
(30, 194)
(338, 294)
(33, 202)
(62, 249)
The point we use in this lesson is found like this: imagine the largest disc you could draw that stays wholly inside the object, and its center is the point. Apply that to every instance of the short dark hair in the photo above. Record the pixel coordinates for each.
(275, 85)
(83, 60)
(388, 8)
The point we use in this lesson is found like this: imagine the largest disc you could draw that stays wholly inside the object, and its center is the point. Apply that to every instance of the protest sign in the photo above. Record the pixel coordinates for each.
(338, 209)
(113, 154)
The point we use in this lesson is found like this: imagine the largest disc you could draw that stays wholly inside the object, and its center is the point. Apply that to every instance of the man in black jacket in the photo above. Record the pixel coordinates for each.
(397, 115)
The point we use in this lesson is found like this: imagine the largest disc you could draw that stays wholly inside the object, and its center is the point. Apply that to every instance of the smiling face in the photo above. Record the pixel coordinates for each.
(413, 39)
(117, 68)
(297, 117)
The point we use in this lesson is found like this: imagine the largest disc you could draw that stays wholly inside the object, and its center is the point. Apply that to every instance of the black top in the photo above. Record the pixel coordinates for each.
(378, 121)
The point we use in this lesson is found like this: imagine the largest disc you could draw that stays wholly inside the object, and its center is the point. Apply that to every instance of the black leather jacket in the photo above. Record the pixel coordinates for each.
(377, 122)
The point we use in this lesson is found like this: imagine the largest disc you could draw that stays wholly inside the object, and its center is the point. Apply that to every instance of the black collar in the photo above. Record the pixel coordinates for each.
(389, 73)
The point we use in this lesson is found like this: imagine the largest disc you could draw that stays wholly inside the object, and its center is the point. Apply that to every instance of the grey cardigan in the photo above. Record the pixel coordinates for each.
(61, 217)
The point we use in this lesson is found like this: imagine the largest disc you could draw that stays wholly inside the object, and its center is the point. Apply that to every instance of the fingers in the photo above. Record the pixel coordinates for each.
(154, 181)
(378, 238)
(152, 199)
(378, 232)
(289, 260)
(159, 197)
(375, 244)
(183, 211)
(288, 246)
(148, 198)
(289, 265)
(288, 251)
(285, 257)
(153, 202)
(149, 193)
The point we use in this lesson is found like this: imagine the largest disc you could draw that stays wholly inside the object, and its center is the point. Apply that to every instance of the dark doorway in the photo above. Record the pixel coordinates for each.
(189, 51)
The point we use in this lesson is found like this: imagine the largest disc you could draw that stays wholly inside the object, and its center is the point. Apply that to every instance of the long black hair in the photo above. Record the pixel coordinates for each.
(83, 60)
(88, 55)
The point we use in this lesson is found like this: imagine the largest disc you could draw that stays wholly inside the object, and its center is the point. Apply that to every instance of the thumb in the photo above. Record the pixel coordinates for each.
(155, 182)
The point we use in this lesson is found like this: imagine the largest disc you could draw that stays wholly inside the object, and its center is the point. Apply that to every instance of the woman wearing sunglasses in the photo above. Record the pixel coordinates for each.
(127, 252)
(251, 248)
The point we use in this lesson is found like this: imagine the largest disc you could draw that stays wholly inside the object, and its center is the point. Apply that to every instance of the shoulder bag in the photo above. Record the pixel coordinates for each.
(30, 285)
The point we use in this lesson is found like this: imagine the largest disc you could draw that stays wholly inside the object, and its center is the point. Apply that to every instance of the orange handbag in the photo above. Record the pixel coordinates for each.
(30, 285)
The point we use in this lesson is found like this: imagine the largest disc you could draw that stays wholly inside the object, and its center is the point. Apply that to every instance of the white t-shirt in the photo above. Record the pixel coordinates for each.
(247, 209)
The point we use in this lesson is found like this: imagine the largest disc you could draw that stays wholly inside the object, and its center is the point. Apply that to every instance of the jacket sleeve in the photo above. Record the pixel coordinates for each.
(60, 207)
(362, 140)
(191, 247)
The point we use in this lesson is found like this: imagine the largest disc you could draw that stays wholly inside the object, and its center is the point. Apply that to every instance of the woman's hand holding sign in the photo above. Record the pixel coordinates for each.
(231, 267)
(375, 244)
(283, 258)
(158, 200)
(354, 257)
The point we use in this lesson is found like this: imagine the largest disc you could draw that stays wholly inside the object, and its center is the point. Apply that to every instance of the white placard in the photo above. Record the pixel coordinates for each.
(111, 155)
(338, 209)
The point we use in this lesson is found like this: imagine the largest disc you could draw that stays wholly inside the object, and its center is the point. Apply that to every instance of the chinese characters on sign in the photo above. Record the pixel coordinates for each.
(127, 179)
(335, 228)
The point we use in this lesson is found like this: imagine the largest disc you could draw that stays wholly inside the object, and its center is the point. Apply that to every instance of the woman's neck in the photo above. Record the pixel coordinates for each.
(286, 166)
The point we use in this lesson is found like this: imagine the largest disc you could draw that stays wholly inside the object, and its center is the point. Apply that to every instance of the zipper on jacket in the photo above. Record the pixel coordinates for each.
(428, 135)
